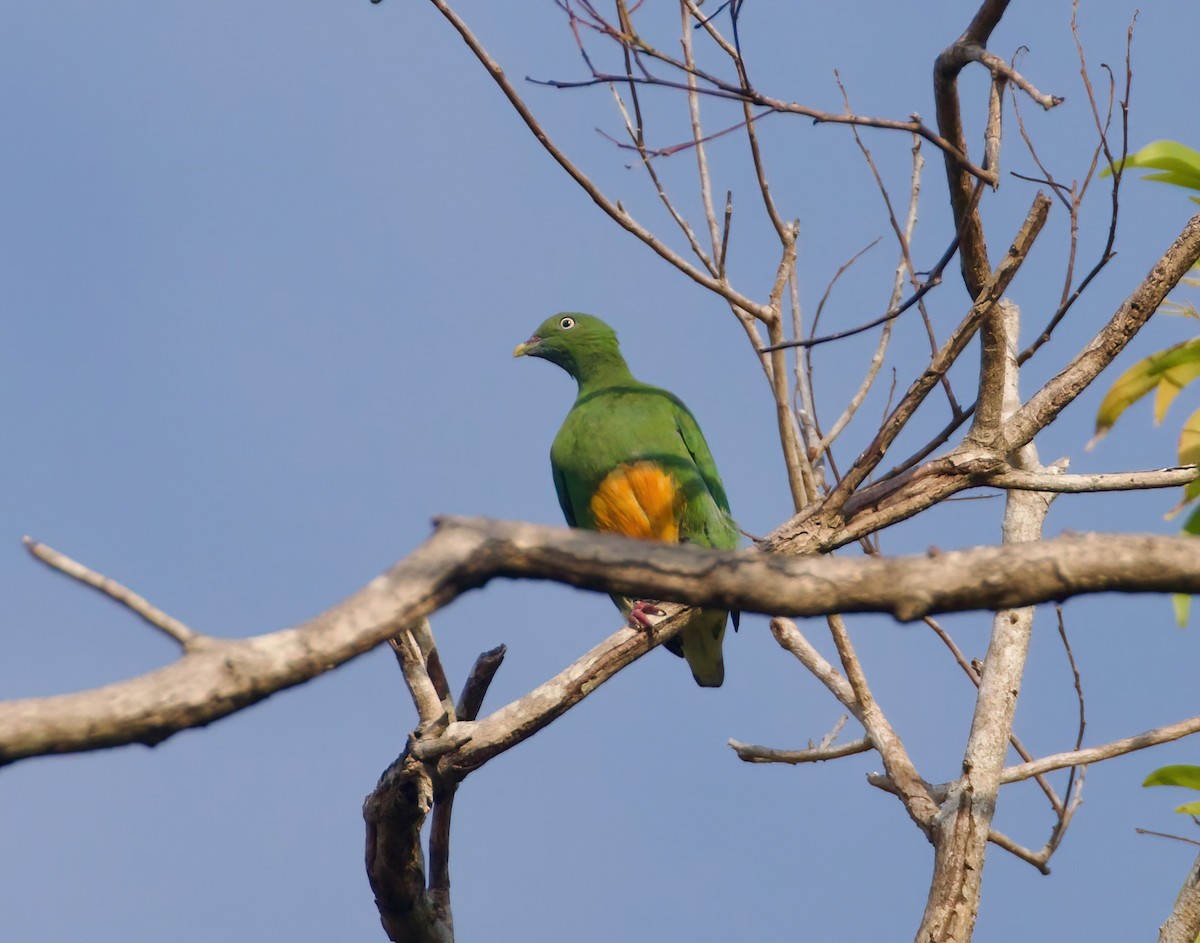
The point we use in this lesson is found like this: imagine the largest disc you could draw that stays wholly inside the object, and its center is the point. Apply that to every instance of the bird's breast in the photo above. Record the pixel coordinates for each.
(638, 499)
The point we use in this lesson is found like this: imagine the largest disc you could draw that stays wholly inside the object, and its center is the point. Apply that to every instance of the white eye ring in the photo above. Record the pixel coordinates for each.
(567, 323)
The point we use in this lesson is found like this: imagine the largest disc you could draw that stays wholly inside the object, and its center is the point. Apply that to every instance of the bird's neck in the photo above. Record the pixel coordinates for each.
(602, 371)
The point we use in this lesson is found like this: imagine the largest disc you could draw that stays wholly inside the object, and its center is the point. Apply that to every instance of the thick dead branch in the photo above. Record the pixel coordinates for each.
(825, 526)
(463, 554)
(394, 814)
(963, 826)
(846, 516)
(1183, 926)
(408, 791)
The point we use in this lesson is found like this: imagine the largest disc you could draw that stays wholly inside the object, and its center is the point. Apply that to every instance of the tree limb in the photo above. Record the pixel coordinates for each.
(465, 553)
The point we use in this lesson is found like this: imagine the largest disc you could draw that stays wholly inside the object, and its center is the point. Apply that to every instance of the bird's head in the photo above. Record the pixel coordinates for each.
(573, 341)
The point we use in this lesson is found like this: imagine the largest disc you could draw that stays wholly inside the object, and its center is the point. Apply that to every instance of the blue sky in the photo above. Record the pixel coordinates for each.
(261, 270)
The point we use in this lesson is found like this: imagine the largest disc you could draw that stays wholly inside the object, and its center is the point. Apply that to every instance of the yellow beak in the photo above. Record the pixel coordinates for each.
(522, 349)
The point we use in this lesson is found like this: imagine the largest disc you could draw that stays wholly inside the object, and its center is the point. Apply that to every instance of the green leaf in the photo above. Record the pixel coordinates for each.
(1178, 775)
(1173, 380)
(1182, 604)
(1178, 164)
(1189, 440)
(1173, 177)
(1174, 367)
(1190, 808)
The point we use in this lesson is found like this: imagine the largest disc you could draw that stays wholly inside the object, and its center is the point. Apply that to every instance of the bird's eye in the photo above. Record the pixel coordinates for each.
(567, 323)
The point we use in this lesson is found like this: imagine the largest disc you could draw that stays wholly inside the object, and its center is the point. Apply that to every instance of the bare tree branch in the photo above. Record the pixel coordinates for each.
(751, 753)
(613, 209)
(1084, 484)
(1183, 926)
(394, 814)
(411, 909)
(1045, 405)
(188, 639)
(1141, 741)
(430, 708)
(464, 554)
(963, 825)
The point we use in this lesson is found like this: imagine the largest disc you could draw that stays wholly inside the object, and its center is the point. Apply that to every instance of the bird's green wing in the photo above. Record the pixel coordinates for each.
(564, 496)
(693, 439)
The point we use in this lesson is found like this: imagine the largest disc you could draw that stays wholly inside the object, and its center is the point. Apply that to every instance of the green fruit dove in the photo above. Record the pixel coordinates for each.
(630, 459)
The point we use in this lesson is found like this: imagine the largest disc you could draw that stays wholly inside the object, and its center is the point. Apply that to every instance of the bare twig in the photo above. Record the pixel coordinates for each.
(1083, 484)
(478, 681)
(750, 753)
(997, 284)
(430, 708)
(613, 209)
(911, 788)
(1042, 408)
(970, 671)
(1115, 164)
(1141, 741)
(188, 639)
(904, 237)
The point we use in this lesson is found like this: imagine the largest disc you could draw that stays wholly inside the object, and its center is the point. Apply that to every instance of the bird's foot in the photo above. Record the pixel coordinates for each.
(644, 614)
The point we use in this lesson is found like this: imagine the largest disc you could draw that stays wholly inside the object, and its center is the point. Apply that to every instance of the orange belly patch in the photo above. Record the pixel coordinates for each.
(638, 500)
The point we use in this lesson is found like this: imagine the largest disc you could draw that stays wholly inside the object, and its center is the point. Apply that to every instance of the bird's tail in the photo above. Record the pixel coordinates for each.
(701, 644)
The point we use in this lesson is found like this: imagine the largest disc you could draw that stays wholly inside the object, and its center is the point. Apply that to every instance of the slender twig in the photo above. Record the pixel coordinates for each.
(1077, 774)
(1182, 838)
(636, 135)
(732, 92)
(890, 315)
(1044, 405)
(842, 270)
(702, 174)
(1107, 751)
(989, 295)
(752, 753)
(188, 639)
(789, 434)
(614, 210)
(973, 674)
(904, 238)
(1115, 164)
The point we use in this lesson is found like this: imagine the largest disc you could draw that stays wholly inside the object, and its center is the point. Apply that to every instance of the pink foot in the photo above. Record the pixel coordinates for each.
(643, 613)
